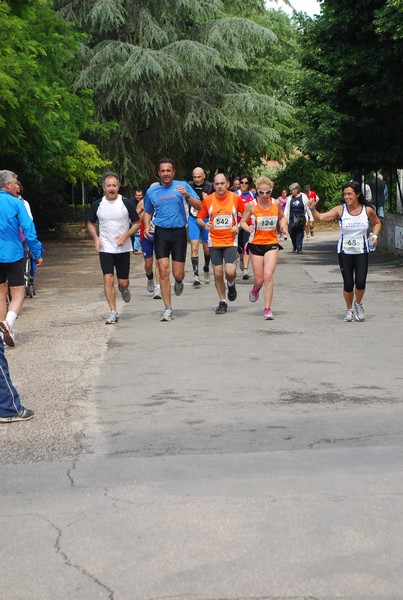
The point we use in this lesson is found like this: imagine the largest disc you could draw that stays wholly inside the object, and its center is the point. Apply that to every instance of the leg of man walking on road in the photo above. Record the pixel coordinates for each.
(17, 296)
(170, 243)
(165, 283)
(219, 282)
(11, 408)
(228, 257)
(110, 292)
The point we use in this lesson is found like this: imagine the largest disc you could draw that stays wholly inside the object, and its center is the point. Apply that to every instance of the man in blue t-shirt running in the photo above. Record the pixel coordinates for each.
(167, 204)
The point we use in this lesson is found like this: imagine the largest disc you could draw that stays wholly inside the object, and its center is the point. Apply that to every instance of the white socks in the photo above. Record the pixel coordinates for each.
(11, 317)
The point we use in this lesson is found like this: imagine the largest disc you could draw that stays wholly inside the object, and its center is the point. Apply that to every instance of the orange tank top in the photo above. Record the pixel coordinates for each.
(264, 221)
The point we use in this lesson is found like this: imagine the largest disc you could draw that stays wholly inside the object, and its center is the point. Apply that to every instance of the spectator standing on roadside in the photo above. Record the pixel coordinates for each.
(297, 212)
(118, 221)
(20, 191)
(13, 216)
(282, 199)
(310, 223)
(167, 204)
(378, 188)
(366, 190)
(202, 188)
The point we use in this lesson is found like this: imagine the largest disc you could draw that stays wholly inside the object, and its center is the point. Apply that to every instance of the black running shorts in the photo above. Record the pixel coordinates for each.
(171, 242)
(261, 249)
(120, 262)
(13, 273)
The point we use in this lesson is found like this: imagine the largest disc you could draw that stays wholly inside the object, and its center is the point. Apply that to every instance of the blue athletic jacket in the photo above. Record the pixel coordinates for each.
(13, 215)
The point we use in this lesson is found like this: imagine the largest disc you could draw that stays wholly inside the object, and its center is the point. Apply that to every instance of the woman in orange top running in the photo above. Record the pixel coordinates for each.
(263, 241)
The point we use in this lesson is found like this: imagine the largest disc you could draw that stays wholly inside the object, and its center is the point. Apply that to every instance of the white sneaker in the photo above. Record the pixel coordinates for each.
(112, 319)
(206, 276)
(8, 334)
(150, 285)
(196, 281)
(168, 315)
(349, 316)
(359, 312)
(157, 292)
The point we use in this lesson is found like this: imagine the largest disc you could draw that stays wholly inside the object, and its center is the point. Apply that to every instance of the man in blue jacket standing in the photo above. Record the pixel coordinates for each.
(13, 216)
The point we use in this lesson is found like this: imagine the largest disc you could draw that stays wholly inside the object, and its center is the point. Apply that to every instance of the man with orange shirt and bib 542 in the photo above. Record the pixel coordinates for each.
(221, 208)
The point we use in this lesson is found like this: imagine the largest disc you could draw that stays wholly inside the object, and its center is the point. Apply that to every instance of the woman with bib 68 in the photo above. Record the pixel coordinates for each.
(355, 216)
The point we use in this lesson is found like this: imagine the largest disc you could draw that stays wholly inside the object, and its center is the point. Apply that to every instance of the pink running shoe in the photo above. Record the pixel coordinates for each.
(268, 315)
(254, 294)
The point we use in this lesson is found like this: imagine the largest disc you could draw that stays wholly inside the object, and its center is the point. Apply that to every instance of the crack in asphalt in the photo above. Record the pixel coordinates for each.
(71, 471)
(68, 562)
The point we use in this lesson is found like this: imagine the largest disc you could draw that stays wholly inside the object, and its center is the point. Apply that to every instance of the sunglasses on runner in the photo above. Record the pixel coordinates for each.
(244, 182)
(264, 192)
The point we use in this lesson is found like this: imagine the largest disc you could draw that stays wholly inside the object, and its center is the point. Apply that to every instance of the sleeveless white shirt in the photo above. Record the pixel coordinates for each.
(353, 232)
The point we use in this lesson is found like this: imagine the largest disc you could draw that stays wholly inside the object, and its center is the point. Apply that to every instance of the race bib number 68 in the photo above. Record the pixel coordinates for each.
(353, 244)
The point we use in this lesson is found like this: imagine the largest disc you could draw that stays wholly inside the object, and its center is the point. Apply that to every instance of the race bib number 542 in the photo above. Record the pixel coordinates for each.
(223, 222)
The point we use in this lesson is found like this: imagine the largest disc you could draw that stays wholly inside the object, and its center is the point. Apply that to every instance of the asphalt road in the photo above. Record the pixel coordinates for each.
(212, 457)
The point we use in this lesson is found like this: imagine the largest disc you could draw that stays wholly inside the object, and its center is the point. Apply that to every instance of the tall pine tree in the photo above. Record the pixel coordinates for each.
(164, 73)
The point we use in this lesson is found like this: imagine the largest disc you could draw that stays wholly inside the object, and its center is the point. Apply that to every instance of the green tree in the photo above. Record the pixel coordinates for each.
(350, 91)
(273, 68)
(168, 75)
(41, 117)
(389, 20)
(86, 164)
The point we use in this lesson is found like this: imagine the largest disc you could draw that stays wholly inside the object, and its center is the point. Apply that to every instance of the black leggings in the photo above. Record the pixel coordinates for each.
(354, 268)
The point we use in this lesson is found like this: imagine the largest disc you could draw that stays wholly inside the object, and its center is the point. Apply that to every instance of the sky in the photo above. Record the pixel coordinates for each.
(309, 6)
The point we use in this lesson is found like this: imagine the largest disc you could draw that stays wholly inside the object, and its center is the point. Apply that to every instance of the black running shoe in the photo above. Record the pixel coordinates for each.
(232, 293)
(221, 308)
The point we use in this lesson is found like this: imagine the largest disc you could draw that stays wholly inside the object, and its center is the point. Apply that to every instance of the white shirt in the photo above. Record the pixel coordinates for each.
(113, 220)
